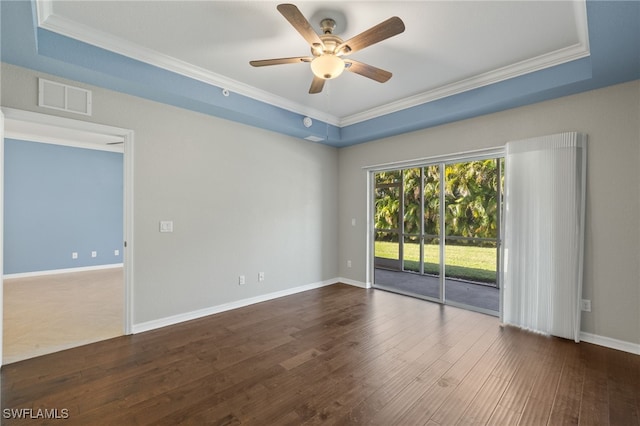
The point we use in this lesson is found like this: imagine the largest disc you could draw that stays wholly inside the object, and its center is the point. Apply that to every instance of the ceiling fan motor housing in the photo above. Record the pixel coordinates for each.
(327, 64)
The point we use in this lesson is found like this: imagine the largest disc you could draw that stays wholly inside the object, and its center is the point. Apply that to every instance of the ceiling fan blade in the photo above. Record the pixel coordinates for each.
(316, 85)
(389, 28)
(300, 23)
(369, 71)
(280, 61)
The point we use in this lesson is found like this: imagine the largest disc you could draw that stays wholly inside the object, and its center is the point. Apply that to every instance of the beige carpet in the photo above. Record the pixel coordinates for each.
(54, 312)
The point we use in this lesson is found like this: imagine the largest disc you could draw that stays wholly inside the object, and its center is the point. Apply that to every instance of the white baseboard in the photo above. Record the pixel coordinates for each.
(187, 316)
(353, 282)
(63, 271)
(608, 342)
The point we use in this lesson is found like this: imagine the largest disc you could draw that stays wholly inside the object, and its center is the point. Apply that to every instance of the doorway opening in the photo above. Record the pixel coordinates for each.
(56, 297)
(437, 231)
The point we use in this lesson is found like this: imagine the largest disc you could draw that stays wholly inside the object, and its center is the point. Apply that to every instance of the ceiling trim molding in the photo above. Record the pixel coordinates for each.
(528, 66)
(44, 9)
(68, 28)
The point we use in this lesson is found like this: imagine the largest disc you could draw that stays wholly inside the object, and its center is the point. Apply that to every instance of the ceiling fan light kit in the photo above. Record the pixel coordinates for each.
(327, 66)
(328, 49)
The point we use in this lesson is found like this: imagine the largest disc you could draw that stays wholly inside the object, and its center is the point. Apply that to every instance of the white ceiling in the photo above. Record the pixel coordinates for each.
(448, 46)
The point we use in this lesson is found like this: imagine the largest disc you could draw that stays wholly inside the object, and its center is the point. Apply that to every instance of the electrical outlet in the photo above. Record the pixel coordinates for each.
(94, 254)
(116, 252)
(241, 280)
(585, 305)
(260, 276)
(74, 255)
(348, 264)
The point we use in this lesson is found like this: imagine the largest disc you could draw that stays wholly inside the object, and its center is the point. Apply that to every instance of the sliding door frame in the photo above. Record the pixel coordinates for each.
(441, 161)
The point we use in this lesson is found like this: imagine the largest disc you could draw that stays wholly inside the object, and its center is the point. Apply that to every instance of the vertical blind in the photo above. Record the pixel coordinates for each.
(545, 183)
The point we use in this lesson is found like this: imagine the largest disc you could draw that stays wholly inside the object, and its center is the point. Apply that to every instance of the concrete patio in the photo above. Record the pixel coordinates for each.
(458, 291)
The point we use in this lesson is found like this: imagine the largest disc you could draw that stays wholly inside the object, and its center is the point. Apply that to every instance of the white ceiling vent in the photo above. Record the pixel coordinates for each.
(63, 97)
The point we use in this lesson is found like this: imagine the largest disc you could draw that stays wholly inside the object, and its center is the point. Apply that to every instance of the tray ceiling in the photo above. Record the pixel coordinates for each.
(448, 47)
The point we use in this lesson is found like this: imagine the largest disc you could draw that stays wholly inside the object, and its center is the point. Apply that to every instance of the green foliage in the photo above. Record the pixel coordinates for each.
(471, 199)
(470, 192)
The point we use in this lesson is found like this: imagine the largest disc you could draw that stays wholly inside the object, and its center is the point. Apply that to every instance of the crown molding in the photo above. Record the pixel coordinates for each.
(68, 28)
(541, 62)
(44, 9)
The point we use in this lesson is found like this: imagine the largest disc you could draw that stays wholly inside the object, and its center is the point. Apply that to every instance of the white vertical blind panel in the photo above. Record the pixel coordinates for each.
(544, 222)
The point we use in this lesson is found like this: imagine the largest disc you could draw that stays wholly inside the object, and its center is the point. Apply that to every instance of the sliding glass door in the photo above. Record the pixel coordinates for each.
(437, 232)
(406, 232)
(472, 195)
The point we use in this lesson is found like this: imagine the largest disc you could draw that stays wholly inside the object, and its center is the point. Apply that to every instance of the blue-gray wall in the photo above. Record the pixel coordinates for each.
(60, 200)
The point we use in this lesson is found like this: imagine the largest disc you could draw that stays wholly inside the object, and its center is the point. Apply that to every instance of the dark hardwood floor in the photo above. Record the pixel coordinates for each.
(336, 355)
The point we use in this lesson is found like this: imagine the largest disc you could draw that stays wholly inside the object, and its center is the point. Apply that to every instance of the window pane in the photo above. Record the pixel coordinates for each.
(411, 251)
(470, 269)
(432, 256)
(412, 182)
(471, 260)
(388, 177)
(471, 199)
(387, 245)
(387, 207)
(432, 200)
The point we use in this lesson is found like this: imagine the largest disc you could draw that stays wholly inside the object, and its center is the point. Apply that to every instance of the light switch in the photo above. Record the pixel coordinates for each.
(166, 226)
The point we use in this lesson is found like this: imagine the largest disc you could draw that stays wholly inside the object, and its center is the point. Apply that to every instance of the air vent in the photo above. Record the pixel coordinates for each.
(63, 97)
(314, 138)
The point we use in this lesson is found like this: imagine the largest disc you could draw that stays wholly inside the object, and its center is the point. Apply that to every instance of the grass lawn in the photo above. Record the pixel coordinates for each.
(466, 262)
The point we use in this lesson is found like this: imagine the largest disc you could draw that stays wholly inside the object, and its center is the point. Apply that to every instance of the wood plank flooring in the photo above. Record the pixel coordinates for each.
(49, 313)
(335, 355)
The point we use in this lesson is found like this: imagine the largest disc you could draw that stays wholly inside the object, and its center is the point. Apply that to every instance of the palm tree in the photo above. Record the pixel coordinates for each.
(470, 191)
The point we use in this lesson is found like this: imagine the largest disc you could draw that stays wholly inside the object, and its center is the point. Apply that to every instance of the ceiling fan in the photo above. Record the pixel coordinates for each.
(328, 49)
